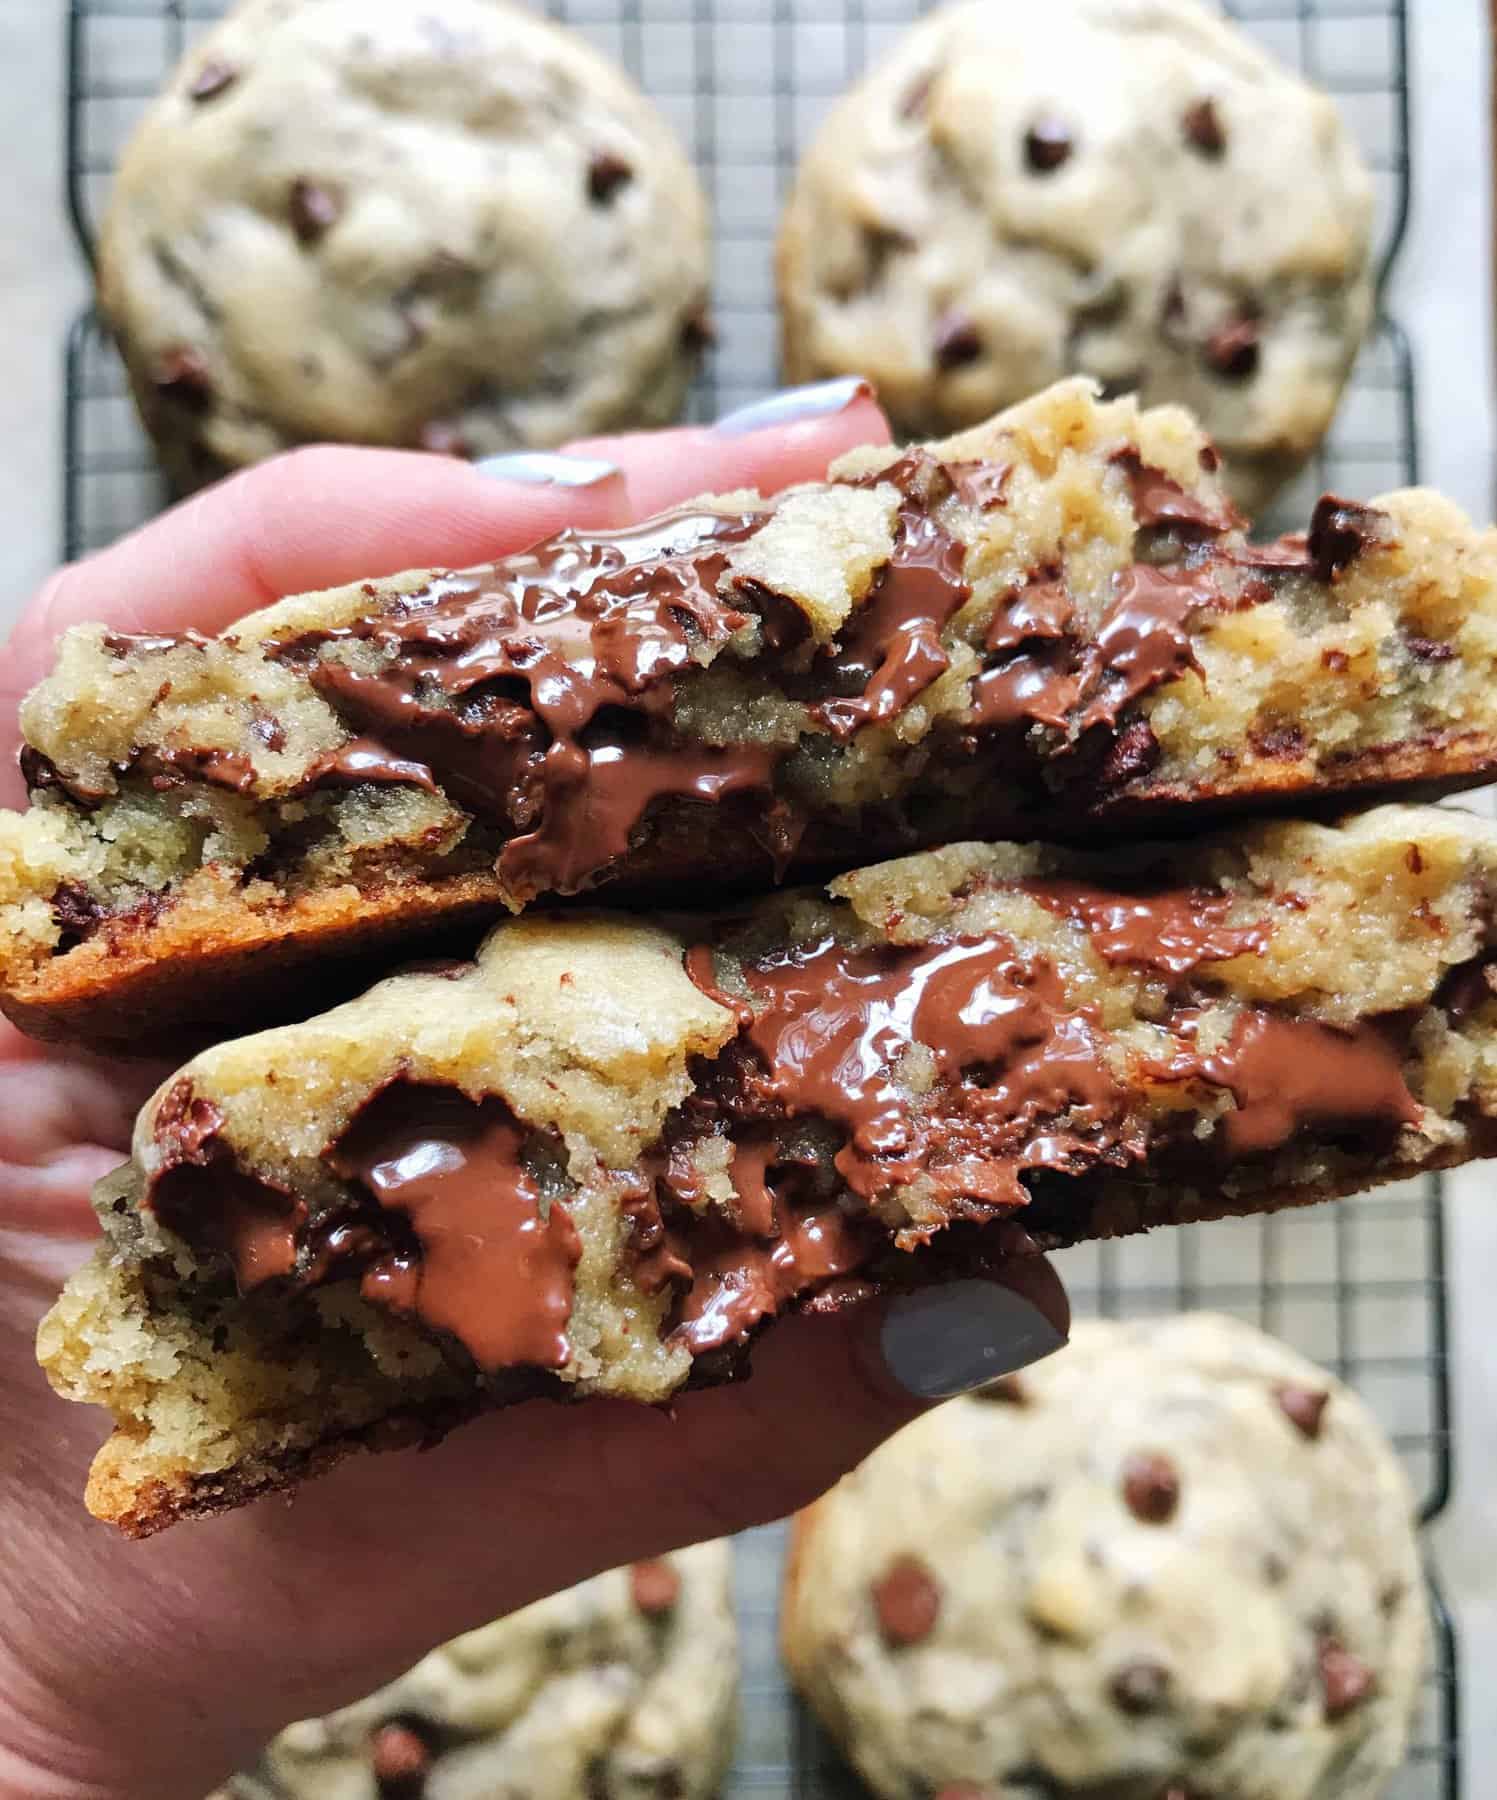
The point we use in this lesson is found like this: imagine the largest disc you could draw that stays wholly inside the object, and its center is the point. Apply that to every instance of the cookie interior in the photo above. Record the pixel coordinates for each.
(660, 1138)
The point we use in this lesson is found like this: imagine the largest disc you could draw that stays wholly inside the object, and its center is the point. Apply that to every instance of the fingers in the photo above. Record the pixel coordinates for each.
(790, 437)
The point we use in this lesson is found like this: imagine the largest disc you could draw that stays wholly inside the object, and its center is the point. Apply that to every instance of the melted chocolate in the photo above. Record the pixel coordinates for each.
(1158, 499)
(361, 760)
(1289, 1074)
(1340, 530)
(539, 690)
(1172, 932)
(893, 642)
(492, 1264)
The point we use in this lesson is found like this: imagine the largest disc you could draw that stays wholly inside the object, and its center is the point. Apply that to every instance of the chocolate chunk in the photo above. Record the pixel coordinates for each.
(314, 209)
(364, 759)
(698, 333)
(1337, 661)
(1140, 1687)
(655, 1587)
(1047, 144)
(907, 1601)
(1430, 650)
(1279, 743)
(1232, 350)
(1345, 1680)
(211, 80)
(1303, 1407)
(955, 340)
(917, 96)
(1151, 1487)
(269, 732)
(606, 174)
(1203, 128)
(1171, 931)
(1133, 752)
(1158, 499)
(1465, 988)
(983, 485)
(75, 911)
(1340, 530)
(443, 437)
(181, 376)
(1209, 458)
(399, 1759)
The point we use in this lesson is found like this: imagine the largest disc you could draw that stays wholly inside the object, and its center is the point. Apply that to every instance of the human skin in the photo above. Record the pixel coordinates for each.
(149, 1671)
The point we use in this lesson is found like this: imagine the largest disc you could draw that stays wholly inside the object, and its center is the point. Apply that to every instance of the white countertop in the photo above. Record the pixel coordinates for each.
(1442, 294)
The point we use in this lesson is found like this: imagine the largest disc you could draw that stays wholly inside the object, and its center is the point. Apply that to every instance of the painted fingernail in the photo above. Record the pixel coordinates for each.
(942, 1341)
(545, 468)
(820, 400)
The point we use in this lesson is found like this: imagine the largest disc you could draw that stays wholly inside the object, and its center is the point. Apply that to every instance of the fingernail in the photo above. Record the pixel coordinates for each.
(545, 468)
(941, 1341)
(819, 400)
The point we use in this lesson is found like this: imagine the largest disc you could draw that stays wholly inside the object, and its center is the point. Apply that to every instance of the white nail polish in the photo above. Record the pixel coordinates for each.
(818, 400)
(941, 1341)
(546, 468)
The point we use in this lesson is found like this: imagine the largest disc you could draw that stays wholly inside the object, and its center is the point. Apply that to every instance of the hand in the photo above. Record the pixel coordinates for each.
(149, 1671)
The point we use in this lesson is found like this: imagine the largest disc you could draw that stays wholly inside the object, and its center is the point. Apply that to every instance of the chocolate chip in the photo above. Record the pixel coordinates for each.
(443, 438)
(1203, 128)
(956, 339)
(907, 1601)
(1140, 1687)
(1279, 743)
(1340, 530)
(75, 911)
(1430, 650)
(1132, 753)
(698, 333)
(1209, 459)
(1232, 349)
(1008, 1390)
(1337, 661)
(1345, 1680)
(211, 80)
(1303, 1407)
(314, 210)
(916, 96)
(606, 174)
(655, 1587)
(399, 1758)
(1047, 144)
(1151, 1487)
(181, 376)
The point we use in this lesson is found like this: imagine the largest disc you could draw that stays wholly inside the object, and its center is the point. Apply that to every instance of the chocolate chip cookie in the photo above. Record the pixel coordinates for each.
(1125, 188)
(1174, 1559)
(625, 1688)
(453, 226)
(1052, 625)
(601, 1157)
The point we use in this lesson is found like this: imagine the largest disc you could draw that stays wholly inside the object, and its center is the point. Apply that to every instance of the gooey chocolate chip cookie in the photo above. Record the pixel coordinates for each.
(624, 1688)
(1053, 625)
(601, 1157)
(1178, 1559)
(452, 226)
(1129, 189)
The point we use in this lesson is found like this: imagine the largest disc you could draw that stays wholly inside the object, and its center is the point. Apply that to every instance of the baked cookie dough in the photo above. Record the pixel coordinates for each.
(1174, 1559)
(625, 1688)
(1129, 189)
(452, 226)
(1052, 625)
(598, 1159)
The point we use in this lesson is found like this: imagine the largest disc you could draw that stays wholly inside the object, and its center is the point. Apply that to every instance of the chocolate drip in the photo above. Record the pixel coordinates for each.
(1289, 1074)
(1172, 932)
(539, 691)
(491, 1264)
(364, 759)
(893, 643)
(229, 769)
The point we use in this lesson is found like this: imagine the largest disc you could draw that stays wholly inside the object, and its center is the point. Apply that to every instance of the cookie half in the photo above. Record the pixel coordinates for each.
(1175, 1558)
(600, 1158)
(623, 1688)
(1128, 189)
(1052, 626)
(452, 226)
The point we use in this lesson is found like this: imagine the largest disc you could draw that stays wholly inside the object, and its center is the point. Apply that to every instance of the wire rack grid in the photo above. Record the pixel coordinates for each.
(1359, 1286)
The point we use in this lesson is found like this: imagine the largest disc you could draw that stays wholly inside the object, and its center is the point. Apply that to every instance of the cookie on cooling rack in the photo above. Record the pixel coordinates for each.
(452, 225)
(1124, 188)
(625, 1688)
(1175, 1559)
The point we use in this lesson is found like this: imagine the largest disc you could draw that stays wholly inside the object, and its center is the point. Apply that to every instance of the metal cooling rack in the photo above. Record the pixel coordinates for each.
(1359, 1286)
